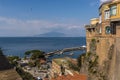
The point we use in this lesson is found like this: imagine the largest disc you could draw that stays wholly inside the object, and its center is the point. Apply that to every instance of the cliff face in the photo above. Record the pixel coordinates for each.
(114, 72)
(91, 67)
(103, 62)
(6, 70)
(4, 63)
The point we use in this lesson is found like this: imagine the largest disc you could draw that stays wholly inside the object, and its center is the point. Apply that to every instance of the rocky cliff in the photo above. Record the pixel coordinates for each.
(4, 63)
(114, 71)
(98, 67)
(6, 70)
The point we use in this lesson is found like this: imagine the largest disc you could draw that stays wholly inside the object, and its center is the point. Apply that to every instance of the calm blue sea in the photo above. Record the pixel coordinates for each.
(18, 45)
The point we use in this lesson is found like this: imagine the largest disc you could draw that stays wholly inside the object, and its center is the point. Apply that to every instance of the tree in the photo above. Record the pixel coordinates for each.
(13, 59)
(80, 59)
(31, 64)
(27, 53)
(37, 54)
(37, 63)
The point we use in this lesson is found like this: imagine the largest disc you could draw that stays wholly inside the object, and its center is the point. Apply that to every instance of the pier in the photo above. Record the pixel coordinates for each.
(66, 50)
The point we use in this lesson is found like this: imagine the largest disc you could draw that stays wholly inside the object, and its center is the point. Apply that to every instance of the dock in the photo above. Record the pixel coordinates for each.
(83, 48)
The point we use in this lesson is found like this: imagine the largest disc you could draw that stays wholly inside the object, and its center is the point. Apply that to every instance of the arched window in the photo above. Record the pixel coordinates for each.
(108, 30)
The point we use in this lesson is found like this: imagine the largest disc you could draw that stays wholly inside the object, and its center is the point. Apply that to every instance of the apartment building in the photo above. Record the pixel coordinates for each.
(103, 37)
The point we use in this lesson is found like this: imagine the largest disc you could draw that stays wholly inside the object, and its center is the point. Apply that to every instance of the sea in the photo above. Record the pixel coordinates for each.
(17, 46)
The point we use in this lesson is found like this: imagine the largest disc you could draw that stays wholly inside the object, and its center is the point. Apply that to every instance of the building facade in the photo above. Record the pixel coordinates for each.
(103, 37)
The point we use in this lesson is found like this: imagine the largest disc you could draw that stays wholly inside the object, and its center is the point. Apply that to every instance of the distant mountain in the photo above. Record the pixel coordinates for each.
(51, 34)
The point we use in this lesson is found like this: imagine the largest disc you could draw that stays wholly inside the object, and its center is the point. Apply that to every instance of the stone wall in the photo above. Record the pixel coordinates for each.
(104, 49)
(56, 70)
(118, 29)
(114, 71)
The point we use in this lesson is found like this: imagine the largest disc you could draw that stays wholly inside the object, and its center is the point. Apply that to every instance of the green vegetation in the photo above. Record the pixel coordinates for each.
(110, 52)
(93, 63)
(80, 59)
(24, 75)
(93, 40)
(13, 60)
(60, 61)
(35, 54)
(27, 53)
(74, 66)
(93, 45)
(31, 64)
(37, 63)
(90, 60)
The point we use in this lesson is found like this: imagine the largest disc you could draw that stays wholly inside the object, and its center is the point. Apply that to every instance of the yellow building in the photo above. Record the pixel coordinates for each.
(115, 10)
(94, 21)
(108, 24)
(105, 33)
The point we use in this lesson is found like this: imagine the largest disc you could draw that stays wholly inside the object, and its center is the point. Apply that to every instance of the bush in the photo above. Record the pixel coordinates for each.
(74, 67)
(13, 60)
(79, 59)
(35, 54)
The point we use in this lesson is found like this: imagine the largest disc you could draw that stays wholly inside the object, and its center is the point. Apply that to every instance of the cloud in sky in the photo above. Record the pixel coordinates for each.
(17, 27)
(104, 0)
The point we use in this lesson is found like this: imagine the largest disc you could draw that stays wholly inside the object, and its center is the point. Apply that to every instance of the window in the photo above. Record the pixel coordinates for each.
(113, 10)
(100, 18)
(107, 14)
(113, 28)
(100, 31)
(108, 30)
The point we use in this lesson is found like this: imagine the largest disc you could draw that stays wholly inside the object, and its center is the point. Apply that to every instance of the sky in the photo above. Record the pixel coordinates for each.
(32, 17)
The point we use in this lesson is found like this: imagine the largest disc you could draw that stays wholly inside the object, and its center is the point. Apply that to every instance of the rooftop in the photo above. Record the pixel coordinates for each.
(70, 77)
(107, 2)
(65, 60)
(90, 26)
(60, 61)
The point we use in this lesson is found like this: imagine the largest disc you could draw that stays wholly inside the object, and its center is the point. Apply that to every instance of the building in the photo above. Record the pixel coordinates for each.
(71, 77)
(58, 67)
(61, 70)
(103, 38)
(61, 67)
